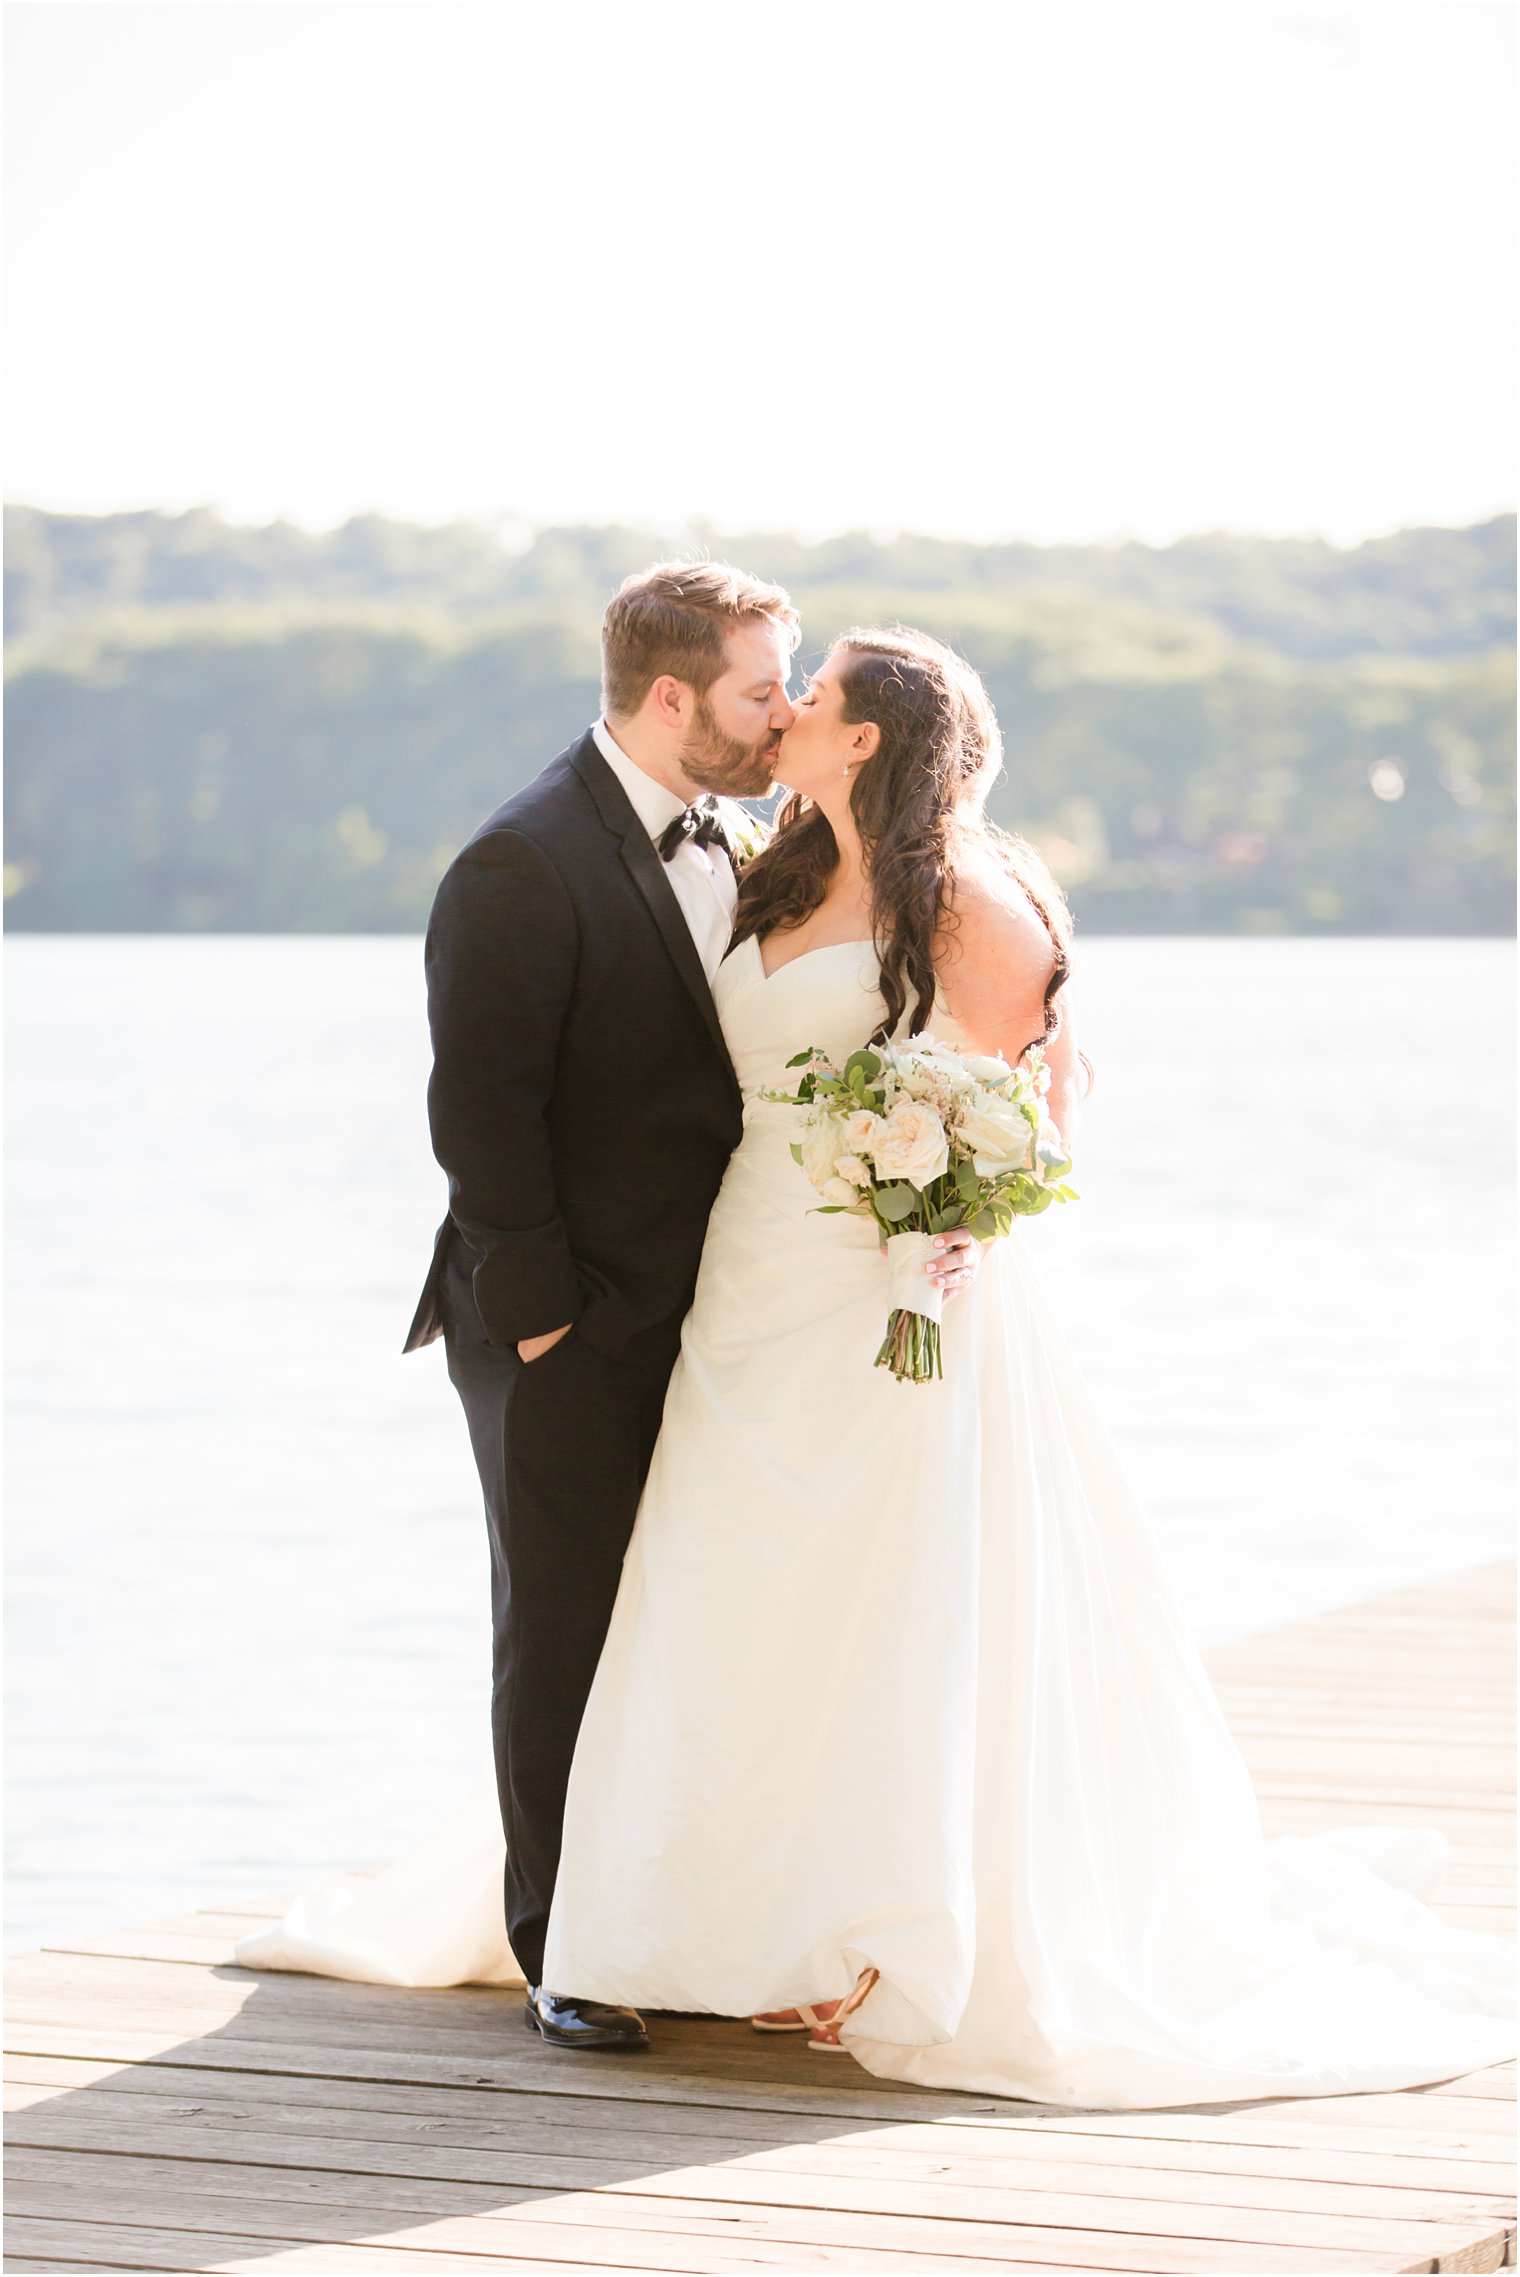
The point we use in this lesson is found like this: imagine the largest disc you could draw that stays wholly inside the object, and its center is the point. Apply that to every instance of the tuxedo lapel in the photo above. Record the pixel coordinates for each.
(647, 871)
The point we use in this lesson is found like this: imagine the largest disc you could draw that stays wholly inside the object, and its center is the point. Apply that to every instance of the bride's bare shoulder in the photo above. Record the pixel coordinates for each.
(994, 957)
(990, 921)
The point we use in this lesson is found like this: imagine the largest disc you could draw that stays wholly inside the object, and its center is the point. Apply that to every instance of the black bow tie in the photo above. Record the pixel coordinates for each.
(701, 823)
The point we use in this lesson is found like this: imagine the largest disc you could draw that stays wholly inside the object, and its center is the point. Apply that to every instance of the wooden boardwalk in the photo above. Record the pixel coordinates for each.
(171, 2112)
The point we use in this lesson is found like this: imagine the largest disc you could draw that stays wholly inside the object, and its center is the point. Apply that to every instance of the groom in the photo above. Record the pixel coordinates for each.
(583, 1105)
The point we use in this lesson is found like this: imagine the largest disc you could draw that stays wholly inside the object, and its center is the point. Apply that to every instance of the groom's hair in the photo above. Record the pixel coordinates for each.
(675, 618)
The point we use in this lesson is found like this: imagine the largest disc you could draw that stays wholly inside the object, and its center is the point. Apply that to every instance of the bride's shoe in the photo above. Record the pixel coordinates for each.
(826, 2039)
(798, 2019)
(822, 2022)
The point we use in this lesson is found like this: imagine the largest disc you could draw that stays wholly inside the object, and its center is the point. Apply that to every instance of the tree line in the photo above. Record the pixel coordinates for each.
(215, 727)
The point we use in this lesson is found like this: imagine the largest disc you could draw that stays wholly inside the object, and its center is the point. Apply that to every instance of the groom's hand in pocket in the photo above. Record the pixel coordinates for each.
(531, 1348)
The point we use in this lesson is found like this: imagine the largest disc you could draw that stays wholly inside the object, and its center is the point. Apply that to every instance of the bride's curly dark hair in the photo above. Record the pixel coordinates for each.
(915, 805)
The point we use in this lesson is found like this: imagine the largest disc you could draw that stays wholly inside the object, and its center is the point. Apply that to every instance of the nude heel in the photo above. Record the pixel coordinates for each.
(798, 2019)
(826, 2039)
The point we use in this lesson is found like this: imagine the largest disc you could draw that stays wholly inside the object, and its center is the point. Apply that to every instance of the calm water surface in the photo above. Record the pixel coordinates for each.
(248, 1616)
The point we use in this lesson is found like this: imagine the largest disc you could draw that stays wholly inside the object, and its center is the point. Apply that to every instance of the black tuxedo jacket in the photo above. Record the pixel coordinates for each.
(582, 1099)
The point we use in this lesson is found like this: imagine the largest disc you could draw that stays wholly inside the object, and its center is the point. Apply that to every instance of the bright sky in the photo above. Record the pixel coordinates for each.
(1061, 270)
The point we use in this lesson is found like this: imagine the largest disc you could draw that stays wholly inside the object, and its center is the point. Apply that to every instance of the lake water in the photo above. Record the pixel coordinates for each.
(248, 1620)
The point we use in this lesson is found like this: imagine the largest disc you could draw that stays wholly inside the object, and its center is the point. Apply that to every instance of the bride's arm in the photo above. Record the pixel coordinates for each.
(994, 963)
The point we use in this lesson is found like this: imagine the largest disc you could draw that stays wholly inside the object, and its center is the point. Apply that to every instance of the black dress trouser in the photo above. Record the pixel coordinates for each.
(563, 1445)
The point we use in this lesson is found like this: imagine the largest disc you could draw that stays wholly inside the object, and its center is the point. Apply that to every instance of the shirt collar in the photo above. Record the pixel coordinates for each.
(654, 805)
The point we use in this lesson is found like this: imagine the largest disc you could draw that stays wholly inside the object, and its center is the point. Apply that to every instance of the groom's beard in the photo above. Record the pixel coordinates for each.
(718, 762)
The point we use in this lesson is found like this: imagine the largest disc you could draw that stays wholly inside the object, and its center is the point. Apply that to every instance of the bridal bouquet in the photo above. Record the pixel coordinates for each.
(923, 1139)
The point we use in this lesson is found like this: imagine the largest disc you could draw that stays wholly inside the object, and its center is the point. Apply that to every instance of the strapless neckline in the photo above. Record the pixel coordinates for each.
(824, 948)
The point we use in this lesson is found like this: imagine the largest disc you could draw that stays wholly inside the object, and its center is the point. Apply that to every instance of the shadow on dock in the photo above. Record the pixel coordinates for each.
(169, 2111)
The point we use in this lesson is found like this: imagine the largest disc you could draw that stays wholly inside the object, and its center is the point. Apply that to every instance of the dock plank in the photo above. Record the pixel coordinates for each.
(923, 2178)
(167, 2111)
(568, 2127)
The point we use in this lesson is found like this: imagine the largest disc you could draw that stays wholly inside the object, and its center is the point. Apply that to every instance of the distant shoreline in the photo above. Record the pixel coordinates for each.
(416, 934)
(222, 729)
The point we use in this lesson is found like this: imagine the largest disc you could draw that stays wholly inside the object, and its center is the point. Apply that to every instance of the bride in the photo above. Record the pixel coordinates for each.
(898, 1738)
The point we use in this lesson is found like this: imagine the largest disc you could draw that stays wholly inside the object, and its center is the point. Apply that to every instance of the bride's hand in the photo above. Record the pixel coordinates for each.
(959, 1261)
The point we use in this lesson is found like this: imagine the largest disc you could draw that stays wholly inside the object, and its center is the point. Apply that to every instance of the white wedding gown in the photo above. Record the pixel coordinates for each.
(896, 1679)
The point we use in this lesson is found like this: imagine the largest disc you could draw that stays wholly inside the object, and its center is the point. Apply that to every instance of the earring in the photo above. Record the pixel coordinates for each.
(845, 769)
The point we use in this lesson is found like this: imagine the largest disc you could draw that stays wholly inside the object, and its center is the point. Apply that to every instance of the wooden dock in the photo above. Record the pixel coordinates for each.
(171, 2112)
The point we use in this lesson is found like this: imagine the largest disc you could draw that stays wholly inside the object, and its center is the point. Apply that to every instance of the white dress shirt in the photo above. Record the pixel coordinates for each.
(701, 877)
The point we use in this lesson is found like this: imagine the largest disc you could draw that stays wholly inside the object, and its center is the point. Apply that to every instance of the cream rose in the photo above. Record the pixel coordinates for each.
(857, 1130)
(911, 1144)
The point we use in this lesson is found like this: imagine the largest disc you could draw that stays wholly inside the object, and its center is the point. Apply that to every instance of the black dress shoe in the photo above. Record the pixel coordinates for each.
(569, 2023)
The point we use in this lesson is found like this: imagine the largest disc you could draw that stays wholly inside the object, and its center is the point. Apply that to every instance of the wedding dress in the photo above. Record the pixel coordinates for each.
(896, 1680)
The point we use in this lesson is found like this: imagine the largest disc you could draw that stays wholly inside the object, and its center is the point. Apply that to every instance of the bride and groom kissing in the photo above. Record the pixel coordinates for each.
(585, 1107)
(866, 1710)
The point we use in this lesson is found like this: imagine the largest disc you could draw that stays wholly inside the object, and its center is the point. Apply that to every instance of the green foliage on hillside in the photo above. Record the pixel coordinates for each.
(240, 729)
(1419, 593)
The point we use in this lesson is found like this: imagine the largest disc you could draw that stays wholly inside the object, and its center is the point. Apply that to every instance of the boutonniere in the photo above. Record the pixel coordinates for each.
(747, 834)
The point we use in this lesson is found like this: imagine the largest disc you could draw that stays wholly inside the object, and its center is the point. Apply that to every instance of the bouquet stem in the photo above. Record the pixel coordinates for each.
(911, 1348)
(914, 1303)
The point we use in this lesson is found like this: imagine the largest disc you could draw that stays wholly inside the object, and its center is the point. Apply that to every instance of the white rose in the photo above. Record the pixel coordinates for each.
(821, 1149)
(911, 1144)
(852, 1170)
(842, 1196)
(997, 1135)
(918, 1079)
(989, 1070)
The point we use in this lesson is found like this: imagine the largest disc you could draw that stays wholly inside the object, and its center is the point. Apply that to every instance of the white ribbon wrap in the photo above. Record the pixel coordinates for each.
(909, 1288)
